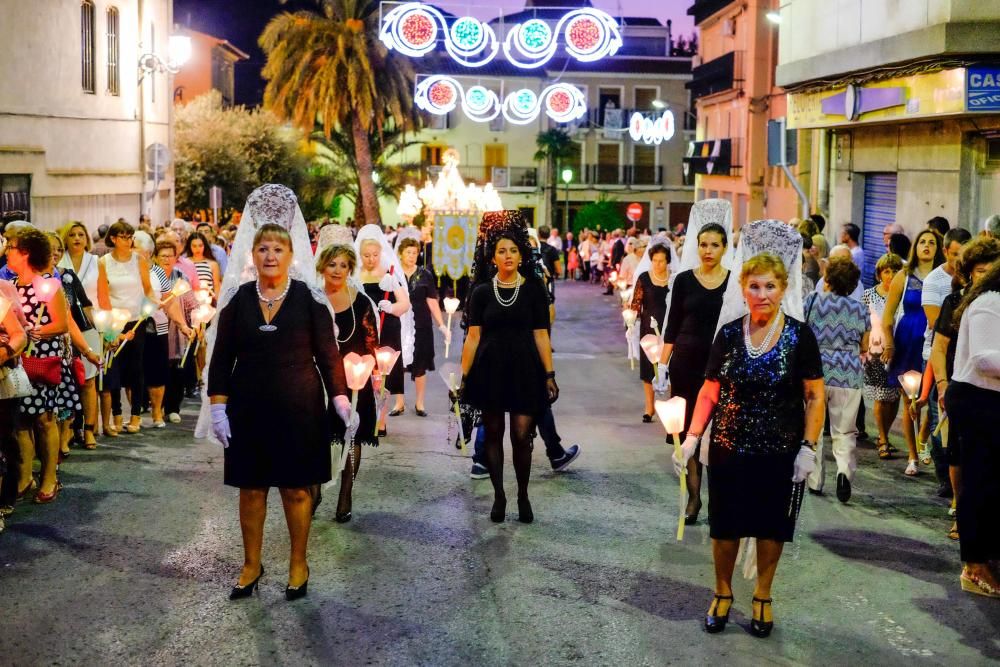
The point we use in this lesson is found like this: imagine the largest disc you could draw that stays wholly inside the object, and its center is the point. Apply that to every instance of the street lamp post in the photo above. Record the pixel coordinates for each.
(567, 176)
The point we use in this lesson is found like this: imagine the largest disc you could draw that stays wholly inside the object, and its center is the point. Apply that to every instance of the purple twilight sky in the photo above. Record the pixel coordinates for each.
(675, 10)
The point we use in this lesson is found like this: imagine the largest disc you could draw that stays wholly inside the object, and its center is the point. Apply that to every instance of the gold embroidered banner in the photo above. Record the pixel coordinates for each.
(454, 243)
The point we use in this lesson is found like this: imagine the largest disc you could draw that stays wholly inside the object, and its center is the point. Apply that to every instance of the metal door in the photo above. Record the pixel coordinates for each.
(880, 210)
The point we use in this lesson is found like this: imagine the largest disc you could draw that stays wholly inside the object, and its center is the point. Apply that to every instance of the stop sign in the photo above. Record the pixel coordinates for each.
(634, 211)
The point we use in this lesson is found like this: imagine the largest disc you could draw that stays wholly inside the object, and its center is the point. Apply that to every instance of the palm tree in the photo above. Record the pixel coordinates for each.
(328, 67)
(554, 146)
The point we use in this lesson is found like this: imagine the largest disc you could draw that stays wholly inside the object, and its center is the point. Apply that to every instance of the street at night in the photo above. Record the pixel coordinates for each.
(134, 563)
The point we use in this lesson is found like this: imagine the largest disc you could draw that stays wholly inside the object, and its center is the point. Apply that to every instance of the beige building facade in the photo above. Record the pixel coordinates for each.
(903, 102)
(81, 138)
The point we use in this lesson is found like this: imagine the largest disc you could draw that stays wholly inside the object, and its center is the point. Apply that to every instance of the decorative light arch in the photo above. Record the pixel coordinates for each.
(414, 29)
(440, 94)
(588, 35)
(562, 102)
(651, 129)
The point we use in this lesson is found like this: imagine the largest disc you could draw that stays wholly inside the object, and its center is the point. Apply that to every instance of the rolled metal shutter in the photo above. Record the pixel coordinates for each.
(880, 211)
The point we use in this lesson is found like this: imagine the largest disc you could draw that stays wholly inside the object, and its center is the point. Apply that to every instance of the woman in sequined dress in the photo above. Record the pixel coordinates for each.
(764, 389)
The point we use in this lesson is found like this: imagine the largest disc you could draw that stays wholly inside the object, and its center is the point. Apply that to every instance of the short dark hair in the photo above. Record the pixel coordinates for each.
(984, 250)
(899, 244)
(853, 231)
(842, 275)
(807, 241)
(164, 245)
(819, 219)
(120, 227)
(714, 228)
(544, 231)
(939, 224)
(407, 243)
(35, 244)
(957, 235)
(659, 249)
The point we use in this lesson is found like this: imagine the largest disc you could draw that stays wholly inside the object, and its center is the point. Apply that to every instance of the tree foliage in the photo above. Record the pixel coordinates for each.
(603, 214)
(554, 146)
(236, 149)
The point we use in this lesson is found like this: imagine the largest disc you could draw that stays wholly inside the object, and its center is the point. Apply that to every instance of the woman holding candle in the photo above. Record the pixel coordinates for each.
(649, 300)
(424, 299)
(972, 397)
(123, 282)
(381, 276)
(763, 393)
(78, 259)
(80, 326)
(29, 254)
(357, 331)
(272, 359)
(693, 317)
(156, 357)
(904, 341)
(507, 358)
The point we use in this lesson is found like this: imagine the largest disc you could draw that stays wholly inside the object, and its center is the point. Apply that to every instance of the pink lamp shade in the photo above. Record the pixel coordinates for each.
(45, 288)
(358, 369)
(652, 346)
(203, 314)
(671, 414)
(451, 305)
(630, 317)
(180, 288)
(910, 382)
(386, 358)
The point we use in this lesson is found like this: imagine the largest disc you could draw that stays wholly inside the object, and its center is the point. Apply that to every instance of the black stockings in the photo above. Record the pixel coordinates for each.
(347, 479)
(521, 429)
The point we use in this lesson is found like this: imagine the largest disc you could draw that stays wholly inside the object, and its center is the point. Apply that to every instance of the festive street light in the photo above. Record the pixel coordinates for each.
(567, 177)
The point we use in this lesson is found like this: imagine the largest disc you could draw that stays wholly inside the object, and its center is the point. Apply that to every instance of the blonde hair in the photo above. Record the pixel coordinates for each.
(765, 262)
(331, 252)
(69, 227)
(366, 241)
(270, 232)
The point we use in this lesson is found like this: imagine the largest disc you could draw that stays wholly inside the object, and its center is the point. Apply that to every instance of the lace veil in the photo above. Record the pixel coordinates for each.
(270, 203)
(393, 277)
(341, 235)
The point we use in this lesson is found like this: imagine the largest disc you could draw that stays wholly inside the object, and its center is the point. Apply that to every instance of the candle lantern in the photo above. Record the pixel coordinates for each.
(671, 413)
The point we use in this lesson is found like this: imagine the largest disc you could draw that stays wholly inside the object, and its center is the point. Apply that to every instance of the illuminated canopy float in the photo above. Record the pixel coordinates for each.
(414, 29)
(651, 129)
(439, 94)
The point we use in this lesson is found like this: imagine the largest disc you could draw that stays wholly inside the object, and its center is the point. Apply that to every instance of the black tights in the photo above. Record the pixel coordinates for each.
(521, 429)
(347, 476)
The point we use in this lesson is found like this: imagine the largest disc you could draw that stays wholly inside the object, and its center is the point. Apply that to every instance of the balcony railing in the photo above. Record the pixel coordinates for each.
(597, 119)
(716, 76)
(528, 177)
(622, 174)
(500, 177)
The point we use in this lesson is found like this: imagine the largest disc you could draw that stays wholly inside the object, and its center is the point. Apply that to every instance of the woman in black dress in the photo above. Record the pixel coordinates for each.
(764, 388)
(357, 331)
(424, 300)
(691, 323)
(649, 300)
(382, 278)
(507, 357)
(273, 357)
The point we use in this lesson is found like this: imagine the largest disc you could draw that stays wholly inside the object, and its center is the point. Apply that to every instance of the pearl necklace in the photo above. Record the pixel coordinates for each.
(267, 326)
(354, 319)
(516, 284)
(755, 351)
(711, 283)
(658, 279)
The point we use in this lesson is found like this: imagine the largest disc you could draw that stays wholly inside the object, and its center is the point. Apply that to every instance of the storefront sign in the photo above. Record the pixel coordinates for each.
(983, 89)
(902, 98)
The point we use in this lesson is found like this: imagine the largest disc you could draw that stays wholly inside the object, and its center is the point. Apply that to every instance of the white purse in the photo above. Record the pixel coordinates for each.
(14, 383)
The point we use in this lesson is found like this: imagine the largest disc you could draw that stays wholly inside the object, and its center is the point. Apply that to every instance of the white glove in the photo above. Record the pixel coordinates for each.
(680, 459)
(220, 423)
(385, 306)
(388, 283)
(352, 427)
(342, 405)
(805, 463)
(660, 381)
(446, 332)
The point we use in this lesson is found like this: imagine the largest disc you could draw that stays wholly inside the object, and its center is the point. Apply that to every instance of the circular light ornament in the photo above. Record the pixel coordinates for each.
(584, 34)
(635, 126)
(521, 106)
(412, 29)
(467, 33)
(480, 104)
(471, 42)
(650, 130)
(438, 94)
(590, 34)
(534, 36)
(564, 103)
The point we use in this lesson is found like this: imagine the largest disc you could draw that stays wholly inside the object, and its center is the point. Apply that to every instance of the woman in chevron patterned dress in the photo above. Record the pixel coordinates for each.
(842, 326)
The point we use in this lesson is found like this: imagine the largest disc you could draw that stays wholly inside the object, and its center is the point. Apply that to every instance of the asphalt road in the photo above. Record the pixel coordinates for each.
(133, 563)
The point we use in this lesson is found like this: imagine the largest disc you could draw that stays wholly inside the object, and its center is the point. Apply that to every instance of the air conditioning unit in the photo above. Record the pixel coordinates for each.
(729, 27)
(500, 177)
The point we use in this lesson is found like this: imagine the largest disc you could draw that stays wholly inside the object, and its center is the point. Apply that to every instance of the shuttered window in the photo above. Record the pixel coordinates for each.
(87, 46)
(880, 211)
(114, 48)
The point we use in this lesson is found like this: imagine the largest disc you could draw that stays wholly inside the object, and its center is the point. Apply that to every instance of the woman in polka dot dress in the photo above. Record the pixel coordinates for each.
(28, 255)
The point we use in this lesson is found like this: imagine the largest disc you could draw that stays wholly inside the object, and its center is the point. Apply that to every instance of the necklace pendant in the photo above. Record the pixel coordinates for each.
(267, 328)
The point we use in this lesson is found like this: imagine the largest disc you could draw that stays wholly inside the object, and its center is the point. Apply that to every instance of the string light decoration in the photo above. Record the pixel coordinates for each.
(651, 130)
(588, 35)
(414, 29)
(562, 102)
(439, 94)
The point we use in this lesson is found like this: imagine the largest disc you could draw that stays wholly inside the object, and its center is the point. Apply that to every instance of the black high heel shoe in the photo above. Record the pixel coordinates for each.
(524, 513)
(293, 593)
(691, 518)
(758, 626)
(240, 592)
(499, 511)
(716, 624)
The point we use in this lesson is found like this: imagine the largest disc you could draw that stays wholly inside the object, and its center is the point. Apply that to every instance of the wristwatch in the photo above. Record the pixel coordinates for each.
(810, 445)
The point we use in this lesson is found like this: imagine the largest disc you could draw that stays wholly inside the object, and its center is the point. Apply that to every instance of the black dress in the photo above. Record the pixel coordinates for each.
(422, 288)
(507, 374)
(691, 322)
(281, 421)
(392, 336)
(757, 430)
(650, 301)
(357, 329)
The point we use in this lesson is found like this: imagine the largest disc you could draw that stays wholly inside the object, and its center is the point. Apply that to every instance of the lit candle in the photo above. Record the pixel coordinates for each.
(910, 382)
(671, 414)
(450, 373)
(450, 306)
